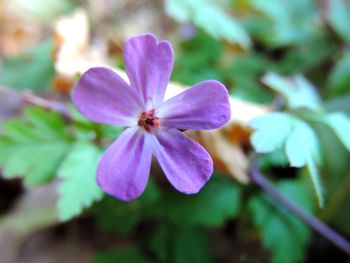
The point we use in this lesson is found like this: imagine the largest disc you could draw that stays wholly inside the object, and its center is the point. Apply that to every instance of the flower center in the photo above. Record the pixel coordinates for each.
(148, 120)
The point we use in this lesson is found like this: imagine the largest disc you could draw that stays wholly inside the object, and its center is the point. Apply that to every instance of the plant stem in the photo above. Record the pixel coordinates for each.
(30, 98)
(259, 179)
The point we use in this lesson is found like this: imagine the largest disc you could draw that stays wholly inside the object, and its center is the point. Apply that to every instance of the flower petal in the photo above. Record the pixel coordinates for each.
(149, 65)
(124, 168)
(103, 96)
(186, 164)
(201, 107)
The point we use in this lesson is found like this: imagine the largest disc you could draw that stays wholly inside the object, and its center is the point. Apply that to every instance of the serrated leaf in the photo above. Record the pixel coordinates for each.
(51, 124)
(298, 91)
(339, 78)
(338, 15)
(207, 15)
(302, 149)
(340, 123)
(271, 131)
(281, 232)
(220, 196)
(33, 148)
(78, 189)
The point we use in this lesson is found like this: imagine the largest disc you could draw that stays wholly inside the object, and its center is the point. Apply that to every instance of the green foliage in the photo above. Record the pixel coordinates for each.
(306, 57)
(34, 148)
(121, 255)
(275, 130)
(297, 90)
(286, 23)
(277, 158)
(78, 188)
(302, 144)
(302, 148)
(340, 123)
(181, 245)
(121, 217)
(33, 70)
(338, 15)
(244, 73)
(198, 60)
(339, 78)
(220, 196)
(281, 232)
(271, 131)
(209, 16)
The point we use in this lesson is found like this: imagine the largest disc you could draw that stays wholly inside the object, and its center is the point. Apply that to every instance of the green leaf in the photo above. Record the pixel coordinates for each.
(51, 124)
(35, 67)
(271, 131)
(34, 148)
(340, 123)
(78, 189)
(338, 15)
(281, 232)
(218, 201)
(339, 78)
(181, 245)
(302, 148)
(209, 16)
(121, 255)
(298, 91)
(302, 144)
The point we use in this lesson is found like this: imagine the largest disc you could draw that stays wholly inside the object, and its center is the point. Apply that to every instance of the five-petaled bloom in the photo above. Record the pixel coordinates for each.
(153, 125)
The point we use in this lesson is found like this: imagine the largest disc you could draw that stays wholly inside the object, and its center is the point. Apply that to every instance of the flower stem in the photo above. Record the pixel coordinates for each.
(259, 179)
(32, 99)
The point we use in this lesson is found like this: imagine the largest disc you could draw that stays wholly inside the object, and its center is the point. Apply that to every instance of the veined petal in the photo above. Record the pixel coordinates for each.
(149, 65)
(201, 107)
(186, 164)
(103, 96)
(124, 168)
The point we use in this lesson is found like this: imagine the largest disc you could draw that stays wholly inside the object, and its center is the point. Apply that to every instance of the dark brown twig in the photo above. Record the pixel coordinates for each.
(259, 179)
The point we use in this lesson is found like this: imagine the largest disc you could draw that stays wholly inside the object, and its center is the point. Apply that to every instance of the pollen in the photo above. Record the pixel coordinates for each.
(149, 121)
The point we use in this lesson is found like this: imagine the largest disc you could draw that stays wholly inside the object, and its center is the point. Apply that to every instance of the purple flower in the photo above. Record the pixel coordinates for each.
(153, 125)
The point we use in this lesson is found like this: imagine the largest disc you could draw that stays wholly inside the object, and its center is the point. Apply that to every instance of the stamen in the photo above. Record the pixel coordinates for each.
(148, 120)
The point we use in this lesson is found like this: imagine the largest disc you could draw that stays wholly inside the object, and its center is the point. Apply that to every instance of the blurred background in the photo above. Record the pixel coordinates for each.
(291, 58)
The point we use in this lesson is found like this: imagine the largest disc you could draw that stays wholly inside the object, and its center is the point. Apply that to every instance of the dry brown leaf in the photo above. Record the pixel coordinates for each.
(17, 31)
(73, 53)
